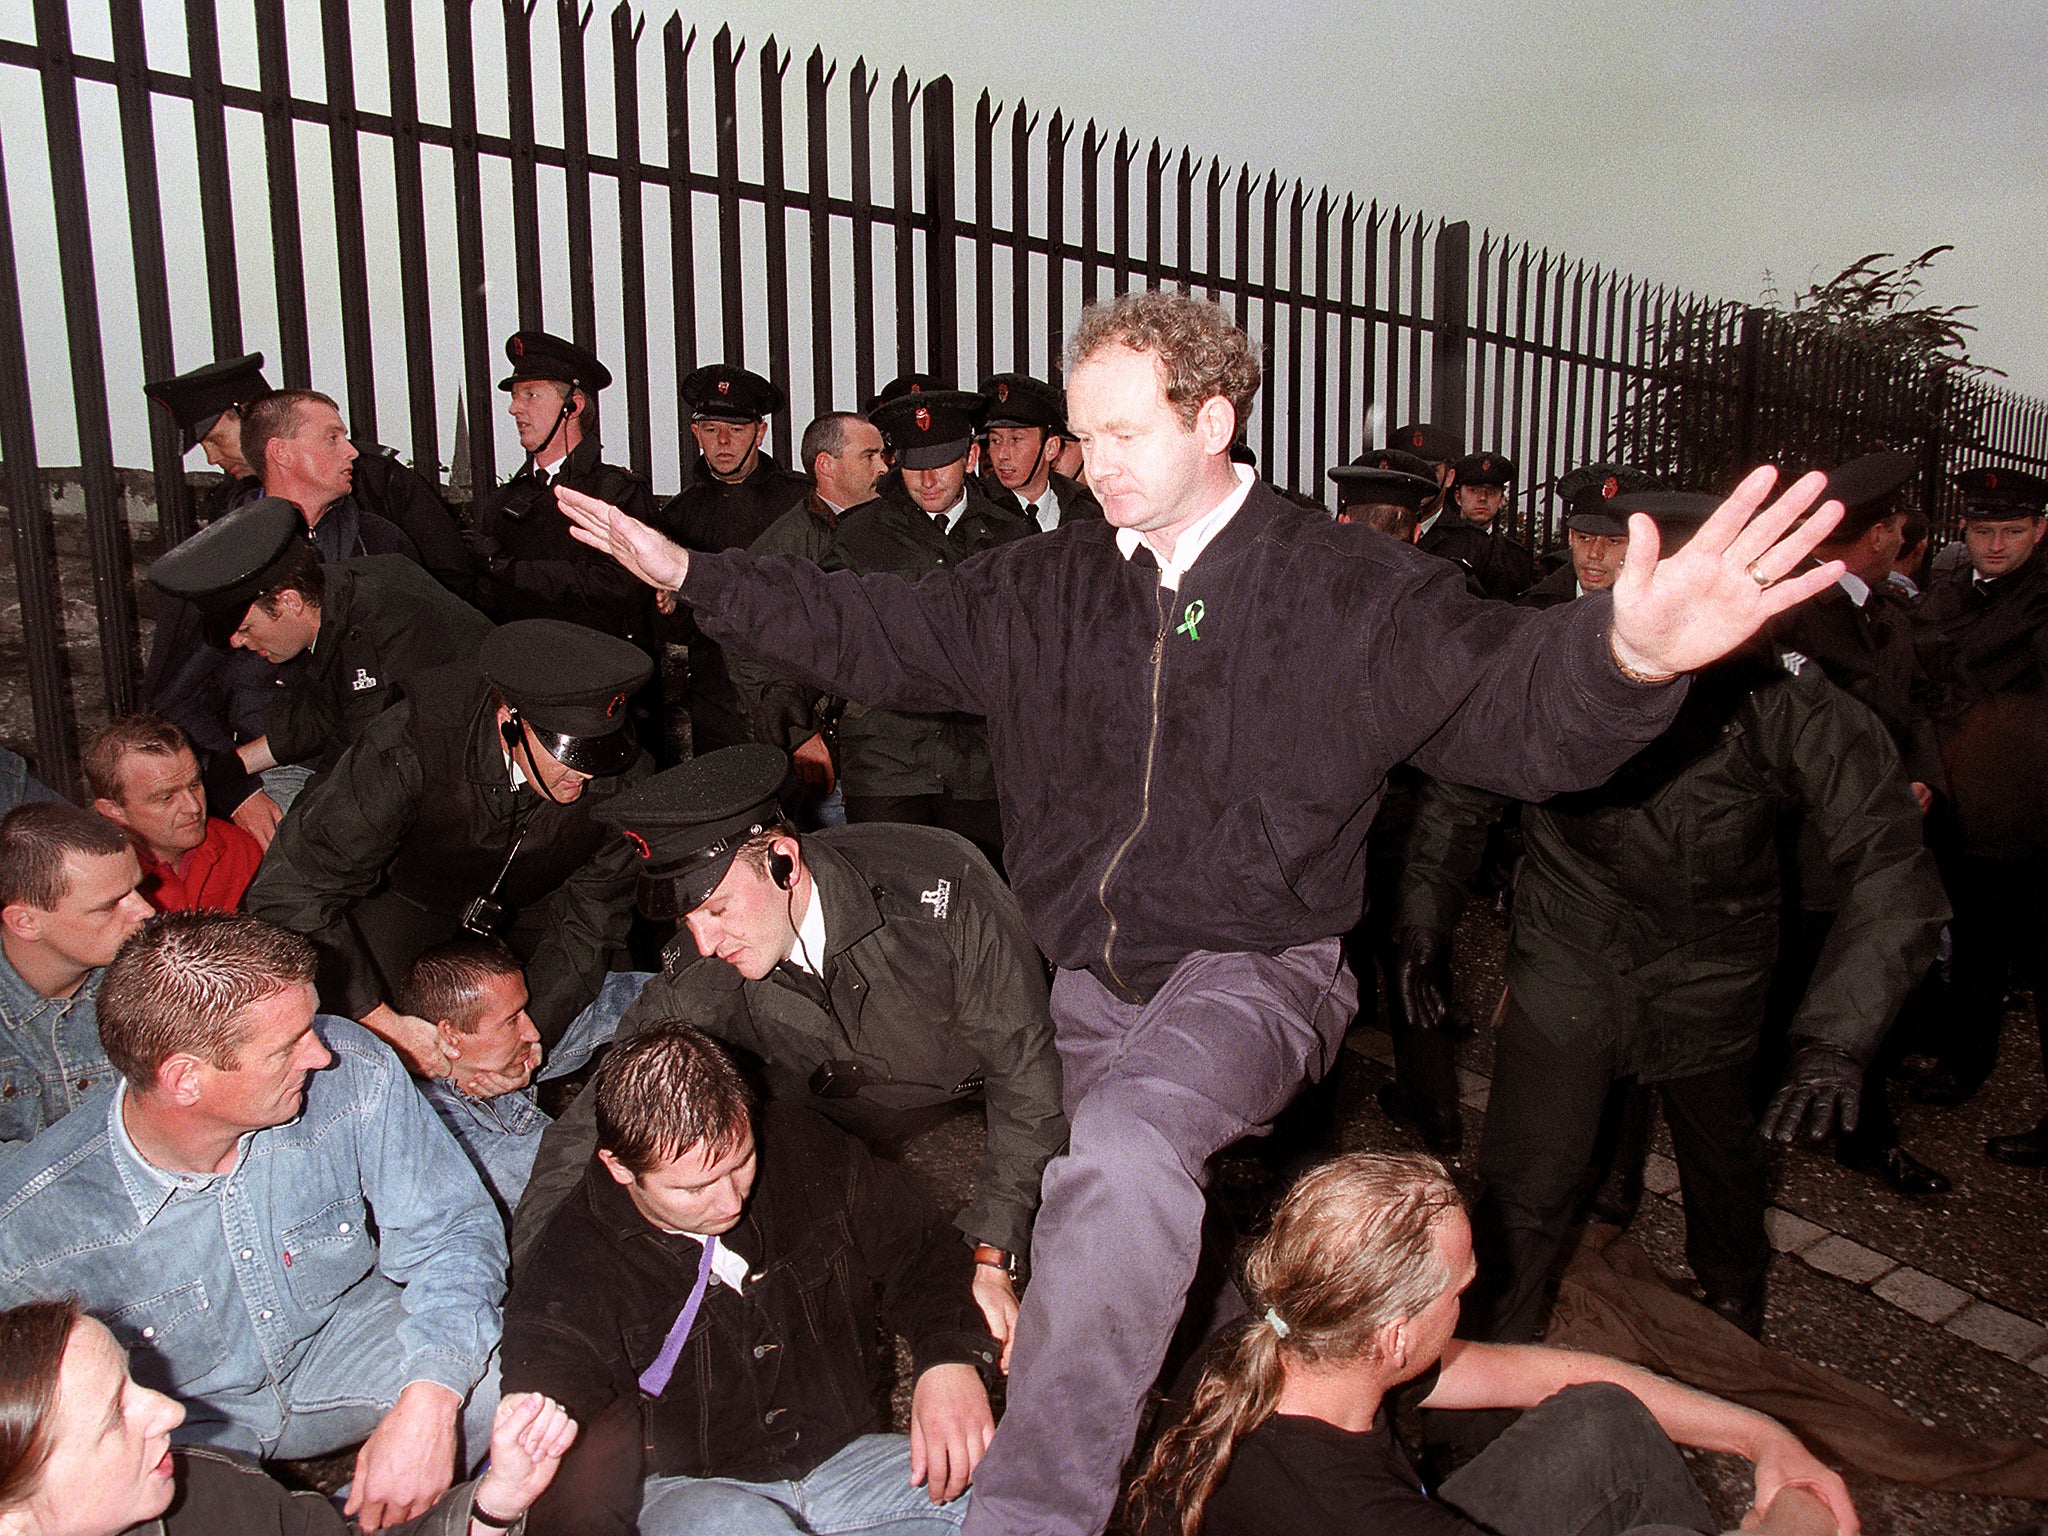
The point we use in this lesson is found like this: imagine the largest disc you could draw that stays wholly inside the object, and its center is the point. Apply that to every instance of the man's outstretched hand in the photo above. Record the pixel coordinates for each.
(655, 559)
(1735, 575)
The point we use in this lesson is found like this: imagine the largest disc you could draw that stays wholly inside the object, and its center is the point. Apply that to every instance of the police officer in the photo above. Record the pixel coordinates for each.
(929, 769)
(1479, 490)
(736, 492)
(206, 403)
(1024, 425)
(1984, 631)
(363, 626)
(469, 807)
(527, 565)
(1376, 490)
(1644, 932)
(879, 974)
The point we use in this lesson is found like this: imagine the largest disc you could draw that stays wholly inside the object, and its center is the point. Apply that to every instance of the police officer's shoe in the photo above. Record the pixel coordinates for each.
(1944, 1086)
(1904, 1172)
(1745, 1312)
(2024, 1149)
(1439, 1125)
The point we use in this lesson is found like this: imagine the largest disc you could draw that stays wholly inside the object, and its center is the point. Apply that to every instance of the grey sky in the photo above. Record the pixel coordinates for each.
(1707, 144)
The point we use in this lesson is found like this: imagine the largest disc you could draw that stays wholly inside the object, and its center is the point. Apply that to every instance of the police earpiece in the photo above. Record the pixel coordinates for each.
(510, 730)
(782, 870)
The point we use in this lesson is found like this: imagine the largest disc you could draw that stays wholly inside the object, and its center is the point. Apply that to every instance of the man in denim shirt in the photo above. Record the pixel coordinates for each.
(269, 1218)
(473, 991)
(67, 900)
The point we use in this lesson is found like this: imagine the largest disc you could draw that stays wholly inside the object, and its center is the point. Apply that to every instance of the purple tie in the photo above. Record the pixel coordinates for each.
(654, 1380)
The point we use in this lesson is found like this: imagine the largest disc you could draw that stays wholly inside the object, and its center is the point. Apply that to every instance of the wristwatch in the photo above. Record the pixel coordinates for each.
(996, 1258)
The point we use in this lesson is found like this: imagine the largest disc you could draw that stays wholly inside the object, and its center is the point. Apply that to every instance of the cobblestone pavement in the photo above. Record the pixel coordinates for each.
(1938, 1303)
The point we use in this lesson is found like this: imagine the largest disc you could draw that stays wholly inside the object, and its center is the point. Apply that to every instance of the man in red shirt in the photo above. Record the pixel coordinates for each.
(145, 779)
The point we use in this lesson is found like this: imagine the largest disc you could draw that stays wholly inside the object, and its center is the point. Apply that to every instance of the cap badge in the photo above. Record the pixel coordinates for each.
(924, 419)
(1003, 392)
(518, 345)
(725, 386)
(613, 707)
(916, 389)
(637, 841)
(1990, 479)
(1610, 488)
(1486, 465)
(1417, 439)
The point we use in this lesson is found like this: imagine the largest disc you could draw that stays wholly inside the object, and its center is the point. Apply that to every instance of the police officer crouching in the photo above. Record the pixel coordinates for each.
(877, 973)
(470, 807)
(363, 627)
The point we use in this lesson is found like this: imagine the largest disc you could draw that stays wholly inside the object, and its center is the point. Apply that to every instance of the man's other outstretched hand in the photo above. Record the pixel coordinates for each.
(654, 558)
(1732, 578)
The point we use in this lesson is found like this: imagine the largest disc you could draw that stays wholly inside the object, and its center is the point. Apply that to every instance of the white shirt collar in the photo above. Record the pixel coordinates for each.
(1857, 588)
(954, 513)
(1045, 511)
(1196, 536)
(808, 953)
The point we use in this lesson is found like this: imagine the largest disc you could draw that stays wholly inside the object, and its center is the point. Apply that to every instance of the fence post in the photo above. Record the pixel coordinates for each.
(35, 544)
(1453, 312)
(1749, 372)
(941, 240)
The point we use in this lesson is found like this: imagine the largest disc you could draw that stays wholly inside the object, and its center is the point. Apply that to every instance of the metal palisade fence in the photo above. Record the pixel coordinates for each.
(375, 195)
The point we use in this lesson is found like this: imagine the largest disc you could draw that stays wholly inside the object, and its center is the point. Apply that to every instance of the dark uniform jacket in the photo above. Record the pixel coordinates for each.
(775, 1378)
(383, 620)
(934, 988)
(883, 752)
(1868, 650)
(1074, 499)
(217, 694)
(1505, 570)
(712, 515)
(538, 570)
(1560, 586)
(222, 1495)
(1986, 637)
(780, 711)
(406, 499)
(1646, 912)
(1196, 769)
(422, 806)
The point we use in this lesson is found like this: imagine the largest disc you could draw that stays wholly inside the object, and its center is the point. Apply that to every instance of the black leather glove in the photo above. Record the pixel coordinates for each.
(782, 718)
(1823, 1085)
(487, 552)
(1418, 977)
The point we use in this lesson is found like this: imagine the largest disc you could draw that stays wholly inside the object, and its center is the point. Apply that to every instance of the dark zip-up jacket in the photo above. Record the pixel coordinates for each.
(775, 1378)
(934, 988)
(1196, 770)
(383, 620)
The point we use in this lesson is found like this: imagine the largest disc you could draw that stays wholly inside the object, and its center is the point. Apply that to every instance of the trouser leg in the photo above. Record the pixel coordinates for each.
(979, 821)
(1721, 1172)
(914, 810)
(1990, 911)
(1151, 1092)
(1542, 1115)
(1589, 1461)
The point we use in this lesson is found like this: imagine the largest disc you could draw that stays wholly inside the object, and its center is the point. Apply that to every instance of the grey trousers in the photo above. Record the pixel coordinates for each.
(1151, 1092)
(1589, 1461)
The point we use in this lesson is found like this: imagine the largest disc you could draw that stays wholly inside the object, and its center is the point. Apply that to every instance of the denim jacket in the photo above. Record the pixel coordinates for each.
(50, 1056)
(219, 1284)
(500, 1135)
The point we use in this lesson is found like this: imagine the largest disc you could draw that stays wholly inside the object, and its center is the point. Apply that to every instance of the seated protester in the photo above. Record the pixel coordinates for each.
(266, 1209)
(88, 1452)
(473, 991)
(67, 900)
(710, 1306)
(363, 627)
(880, 974)
(144, 777)
(1353, 1294)
(1025, 427)
(467, 808)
